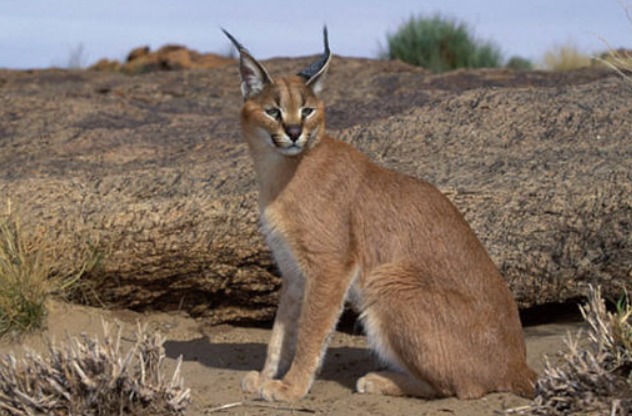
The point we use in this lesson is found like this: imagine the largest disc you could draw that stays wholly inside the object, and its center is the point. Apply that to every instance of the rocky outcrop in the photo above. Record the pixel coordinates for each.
(168, 58)
(152, 170)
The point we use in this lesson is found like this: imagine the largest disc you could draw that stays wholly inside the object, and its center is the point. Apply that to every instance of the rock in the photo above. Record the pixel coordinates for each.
(152, 170)
(168, 58)
(106, 65)
(138, 53)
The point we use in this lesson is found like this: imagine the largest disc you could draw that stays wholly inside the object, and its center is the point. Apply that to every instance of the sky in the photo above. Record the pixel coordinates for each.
(44, 33)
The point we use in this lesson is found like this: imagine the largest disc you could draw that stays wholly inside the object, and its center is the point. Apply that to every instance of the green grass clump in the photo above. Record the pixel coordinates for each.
(565, 58)
(28, 277)
(24, 284)
(440, 44)
(519, 63)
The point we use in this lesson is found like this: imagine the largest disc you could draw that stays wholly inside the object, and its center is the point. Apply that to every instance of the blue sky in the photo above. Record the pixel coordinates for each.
(43, 33)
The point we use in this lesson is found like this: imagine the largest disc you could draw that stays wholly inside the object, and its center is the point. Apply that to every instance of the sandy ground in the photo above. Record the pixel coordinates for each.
(216, 358)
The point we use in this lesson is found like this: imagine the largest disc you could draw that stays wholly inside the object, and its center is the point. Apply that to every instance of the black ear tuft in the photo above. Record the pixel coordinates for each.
(321, 63)
(235, 42)
(254, 76)
(315, 73)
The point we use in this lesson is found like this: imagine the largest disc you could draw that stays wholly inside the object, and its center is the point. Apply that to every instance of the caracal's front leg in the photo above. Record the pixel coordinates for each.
(283, 340)
(322, 305)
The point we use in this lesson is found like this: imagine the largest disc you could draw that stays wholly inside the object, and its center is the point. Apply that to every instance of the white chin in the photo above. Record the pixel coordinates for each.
(291, 151)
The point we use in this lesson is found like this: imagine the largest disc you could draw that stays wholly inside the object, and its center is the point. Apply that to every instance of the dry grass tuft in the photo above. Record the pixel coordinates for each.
(27, 279)
(565, 58)
(620, 60)
(91, 378)
(24, 283)
(590, 379)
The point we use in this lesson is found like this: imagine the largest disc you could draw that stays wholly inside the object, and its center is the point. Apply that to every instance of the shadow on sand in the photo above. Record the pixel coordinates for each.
(342, 364)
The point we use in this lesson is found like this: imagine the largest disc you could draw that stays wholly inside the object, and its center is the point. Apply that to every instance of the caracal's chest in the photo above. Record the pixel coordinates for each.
(288, 261)
(276, 237)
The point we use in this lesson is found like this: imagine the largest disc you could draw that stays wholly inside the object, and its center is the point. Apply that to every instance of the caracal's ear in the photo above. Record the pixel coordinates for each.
(254, 76)
(315, 73)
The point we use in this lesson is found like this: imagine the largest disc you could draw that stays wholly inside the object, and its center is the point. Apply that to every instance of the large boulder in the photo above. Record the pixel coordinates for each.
(152, 170)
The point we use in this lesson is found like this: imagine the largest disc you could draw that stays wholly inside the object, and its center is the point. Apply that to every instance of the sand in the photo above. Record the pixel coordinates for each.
(216, 358)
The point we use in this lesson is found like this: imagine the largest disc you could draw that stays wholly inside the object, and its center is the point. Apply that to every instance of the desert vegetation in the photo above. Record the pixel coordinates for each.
(23, 282)
(440, 44)
(86, 376)
(565, 58)
(77, 57)
(620, 60)
(594, 374)
(27, 279)
(568, 56)
(519, 63)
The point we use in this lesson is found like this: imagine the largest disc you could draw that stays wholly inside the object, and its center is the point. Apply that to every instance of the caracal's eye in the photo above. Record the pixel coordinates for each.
(274, 112)
(306, 112)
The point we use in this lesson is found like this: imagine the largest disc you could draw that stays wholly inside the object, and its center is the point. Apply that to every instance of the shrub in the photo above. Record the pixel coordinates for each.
(594, 375)
(519, 63)
(27, 279)
(565, 58)
(76, 57)
(88, 377)
(440, 44)
(23, 282)
(620, 60)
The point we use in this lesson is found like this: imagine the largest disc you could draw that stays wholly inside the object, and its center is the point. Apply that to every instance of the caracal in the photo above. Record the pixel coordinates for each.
(435, 308)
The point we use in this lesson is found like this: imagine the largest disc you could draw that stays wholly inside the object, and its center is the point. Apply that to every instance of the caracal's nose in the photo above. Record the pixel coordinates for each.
(293, 132)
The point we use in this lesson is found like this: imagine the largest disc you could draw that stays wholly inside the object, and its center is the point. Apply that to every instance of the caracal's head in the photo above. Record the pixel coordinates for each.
(283, 115)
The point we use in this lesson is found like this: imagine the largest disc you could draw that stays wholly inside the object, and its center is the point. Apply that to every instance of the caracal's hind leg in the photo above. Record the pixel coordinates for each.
(394, 383)
(439, 334)
(398, 329)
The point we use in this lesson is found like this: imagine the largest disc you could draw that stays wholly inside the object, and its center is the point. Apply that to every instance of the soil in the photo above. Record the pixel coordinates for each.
(215, 358)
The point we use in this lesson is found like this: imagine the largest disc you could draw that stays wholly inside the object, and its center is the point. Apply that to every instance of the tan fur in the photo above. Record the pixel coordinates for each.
(435, 308)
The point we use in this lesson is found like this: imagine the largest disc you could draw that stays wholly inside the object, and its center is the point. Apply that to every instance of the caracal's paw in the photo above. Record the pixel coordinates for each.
(392, 383)
(251, 383)
(280, 391)
(369, 385)
(383, 383)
